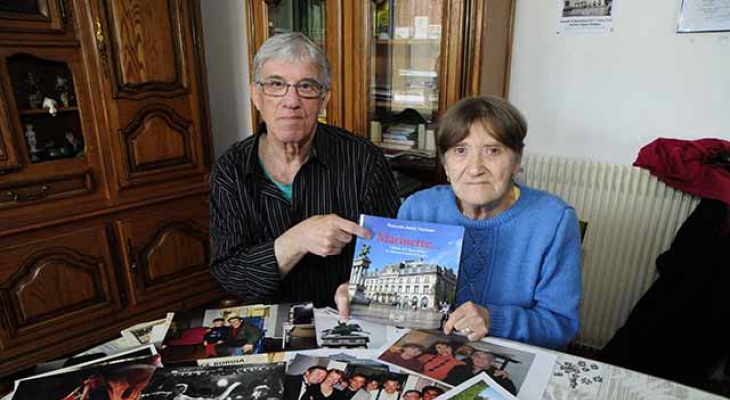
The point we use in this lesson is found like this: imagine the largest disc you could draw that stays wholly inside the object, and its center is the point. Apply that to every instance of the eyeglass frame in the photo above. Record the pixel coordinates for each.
(322, 88)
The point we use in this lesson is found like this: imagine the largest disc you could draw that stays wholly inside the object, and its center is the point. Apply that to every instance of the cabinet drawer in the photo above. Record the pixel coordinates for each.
(55, 287)
(45, 190)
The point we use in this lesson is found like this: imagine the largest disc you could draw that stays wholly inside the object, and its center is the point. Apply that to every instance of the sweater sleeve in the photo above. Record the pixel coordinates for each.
(242, 267)
(553, 320)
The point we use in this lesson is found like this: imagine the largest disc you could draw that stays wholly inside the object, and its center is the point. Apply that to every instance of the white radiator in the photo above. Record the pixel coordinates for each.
(632, 218)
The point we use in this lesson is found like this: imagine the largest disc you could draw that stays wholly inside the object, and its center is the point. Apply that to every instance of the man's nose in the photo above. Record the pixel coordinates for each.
(291, 98)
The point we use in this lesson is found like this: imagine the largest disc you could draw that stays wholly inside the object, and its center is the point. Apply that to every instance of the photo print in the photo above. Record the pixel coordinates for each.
(355, 333)
(452, 359)
(244, 382)
(109, 380)
(479, 387)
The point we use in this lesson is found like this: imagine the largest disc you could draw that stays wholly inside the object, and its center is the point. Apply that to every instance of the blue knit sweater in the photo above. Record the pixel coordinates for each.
(523, 265)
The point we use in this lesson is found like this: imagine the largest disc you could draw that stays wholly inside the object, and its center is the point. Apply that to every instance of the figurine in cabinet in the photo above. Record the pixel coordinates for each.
(32, 143)
(64, 91)
(50, 104)
(35, 98)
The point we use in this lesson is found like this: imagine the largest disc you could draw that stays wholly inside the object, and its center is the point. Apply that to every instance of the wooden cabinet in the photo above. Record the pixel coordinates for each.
(398, 65)
(105, 157)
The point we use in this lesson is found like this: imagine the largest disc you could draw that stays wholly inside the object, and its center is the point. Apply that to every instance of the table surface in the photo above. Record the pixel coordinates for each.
(576, 378)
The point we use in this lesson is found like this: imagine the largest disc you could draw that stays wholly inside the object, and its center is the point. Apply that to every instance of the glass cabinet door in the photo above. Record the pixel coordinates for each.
(306, 16)
(405, 72)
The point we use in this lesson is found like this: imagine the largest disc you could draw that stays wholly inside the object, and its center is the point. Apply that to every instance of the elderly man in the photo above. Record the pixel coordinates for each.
(284, 201)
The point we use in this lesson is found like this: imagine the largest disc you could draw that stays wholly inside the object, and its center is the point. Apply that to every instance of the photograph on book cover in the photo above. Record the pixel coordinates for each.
(355, 333)
(480, 387)
(452, 359)
(239, 331)
(406, 274)
(106, 380)
(250, 382)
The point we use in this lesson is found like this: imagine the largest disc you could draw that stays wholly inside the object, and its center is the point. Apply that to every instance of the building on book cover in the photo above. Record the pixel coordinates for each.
(406, 273)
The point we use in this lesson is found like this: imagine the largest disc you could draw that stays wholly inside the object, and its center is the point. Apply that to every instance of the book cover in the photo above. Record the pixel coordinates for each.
(406, 274)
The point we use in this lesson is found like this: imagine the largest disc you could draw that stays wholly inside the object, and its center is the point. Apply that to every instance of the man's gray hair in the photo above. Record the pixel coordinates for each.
(292, 47)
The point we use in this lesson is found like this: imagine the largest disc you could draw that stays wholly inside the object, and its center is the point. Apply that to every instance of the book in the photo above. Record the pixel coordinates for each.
(405, 275)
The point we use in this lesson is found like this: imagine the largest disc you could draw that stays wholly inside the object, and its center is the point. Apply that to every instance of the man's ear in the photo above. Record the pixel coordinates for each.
(325, 100)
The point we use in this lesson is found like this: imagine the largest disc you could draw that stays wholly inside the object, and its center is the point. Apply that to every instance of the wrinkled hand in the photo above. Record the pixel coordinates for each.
(342, 300)
(469, 319)
(326, 235)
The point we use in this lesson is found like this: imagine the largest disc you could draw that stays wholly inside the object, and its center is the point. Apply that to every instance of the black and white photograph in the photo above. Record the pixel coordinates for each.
(243, 382)
(453, 359)
(586, 16)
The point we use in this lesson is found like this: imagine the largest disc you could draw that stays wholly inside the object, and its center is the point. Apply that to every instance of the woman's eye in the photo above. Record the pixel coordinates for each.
(493, 151)
(459, 150)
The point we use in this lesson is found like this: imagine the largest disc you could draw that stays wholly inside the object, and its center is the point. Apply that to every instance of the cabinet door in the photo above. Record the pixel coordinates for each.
(150, 53)
(166, 253)
(38, 16)
(55, 287)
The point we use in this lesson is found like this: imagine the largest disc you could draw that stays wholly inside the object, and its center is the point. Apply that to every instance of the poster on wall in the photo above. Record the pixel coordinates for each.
(586, 16)
(704, 16)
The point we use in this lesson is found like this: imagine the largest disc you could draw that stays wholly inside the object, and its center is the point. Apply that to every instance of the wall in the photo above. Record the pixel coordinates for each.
(226, 56)
(605, 96)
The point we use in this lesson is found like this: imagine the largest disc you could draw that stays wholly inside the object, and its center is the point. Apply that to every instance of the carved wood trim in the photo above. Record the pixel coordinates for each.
(122, 90)
(31, 270)
(134, 131)
(145, 257)
(24, 23)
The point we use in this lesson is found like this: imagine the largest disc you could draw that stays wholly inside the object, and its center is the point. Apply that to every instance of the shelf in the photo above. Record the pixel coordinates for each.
(436, 42)
(40, 111)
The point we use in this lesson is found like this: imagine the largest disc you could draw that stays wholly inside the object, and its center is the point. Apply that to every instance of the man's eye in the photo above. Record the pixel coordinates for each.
(276, 84)
(306, 85)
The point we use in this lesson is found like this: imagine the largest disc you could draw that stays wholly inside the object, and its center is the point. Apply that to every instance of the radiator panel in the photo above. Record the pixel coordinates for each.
(632, 218)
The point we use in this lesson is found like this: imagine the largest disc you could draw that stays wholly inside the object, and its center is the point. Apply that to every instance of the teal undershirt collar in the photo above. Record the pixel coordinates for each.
(286, 190)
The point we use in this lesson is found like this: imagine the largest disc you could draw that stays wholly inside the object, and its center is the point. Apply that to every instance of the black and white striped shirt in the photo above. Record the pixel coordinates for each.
(345, 175)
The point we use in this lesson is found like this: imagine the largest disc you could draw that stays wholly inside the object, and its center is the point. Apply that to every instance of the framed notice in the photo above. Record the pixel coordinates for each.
(704, 16)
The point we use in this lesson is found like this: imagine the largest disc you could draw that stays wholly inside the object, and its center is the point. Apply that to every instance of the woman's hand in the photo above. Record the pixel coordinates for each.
(469, 319)
(342, 301)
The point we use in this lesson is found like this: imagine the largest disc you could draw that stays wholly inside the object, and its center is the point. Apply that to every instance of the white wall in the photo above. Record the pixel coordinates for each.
(603, 97)
(226, 56)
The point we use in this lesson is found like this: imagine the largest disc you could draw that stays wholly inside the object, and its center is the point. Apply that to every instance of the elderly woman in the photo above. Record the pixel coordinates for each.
(285, 201)
(520, 267)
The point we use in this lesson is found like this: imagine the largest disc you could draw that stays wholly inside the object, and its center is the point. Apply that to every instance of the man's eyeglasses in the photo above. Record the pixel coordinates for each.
(305, 89)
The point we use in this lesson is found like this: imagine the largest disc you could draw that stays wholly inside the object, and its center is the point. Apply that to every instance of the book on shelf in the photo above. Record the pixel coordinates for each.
(405, 275)
(395, 146)
(405, 142)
